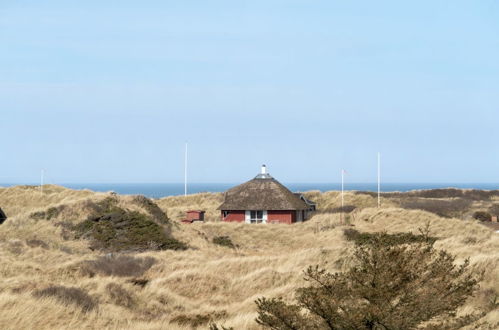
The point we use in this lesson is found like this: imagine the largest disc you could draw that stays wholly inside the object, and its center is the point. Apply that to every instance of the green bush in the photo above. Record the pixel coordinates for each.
(117, 229)
(224, 241)
(153, 209)
(389, 286)
(50, 213)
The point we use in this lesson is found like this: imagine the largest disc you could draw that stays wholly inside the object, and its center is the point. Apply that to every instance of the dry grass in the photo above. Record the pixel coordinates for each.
(182, 288)
(178, 205)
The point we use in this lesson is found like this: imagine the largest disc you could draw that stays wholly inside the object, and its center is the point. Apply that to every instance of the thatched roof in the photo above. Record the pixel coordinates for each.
(262, 193)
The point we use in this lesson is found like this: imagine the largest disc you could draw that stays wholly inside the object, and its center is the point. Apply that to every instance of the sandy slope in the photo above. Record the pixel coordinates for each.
(206, 278)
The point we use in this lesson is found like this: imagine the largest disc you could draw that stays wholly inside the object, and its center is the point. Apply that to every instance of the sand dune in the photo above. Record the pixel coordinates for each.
(185, 287)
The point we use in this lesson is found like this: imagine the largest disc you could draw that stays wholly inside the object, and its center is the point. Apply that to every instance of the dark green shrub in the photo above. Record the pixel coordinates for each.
(224, 241)
(117, 229)
(385, 238)
(482, 216)
(50, 213)
(153, 209)
(401, 286)
(67, 295)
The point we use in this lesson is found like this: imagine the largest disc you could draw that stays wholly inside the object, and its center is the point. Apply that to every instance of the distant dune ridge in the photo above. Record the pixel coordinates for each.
(52, 277)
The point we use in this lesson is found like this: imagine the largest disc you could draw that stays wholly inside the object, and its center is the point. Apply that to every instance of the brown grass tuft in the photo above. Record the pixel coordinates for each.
(119, 296)
(121, 265)
(67, 295)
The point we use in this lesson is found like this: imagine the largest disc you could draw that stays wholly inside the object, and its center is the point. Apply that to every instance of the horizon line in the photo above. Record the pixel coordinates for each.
(182, 183)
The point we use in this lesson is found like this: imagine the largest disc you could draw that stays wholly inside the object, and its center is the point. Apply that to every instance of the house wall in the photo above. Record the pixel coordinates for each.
(300, 216)
(287, 217)
(234, 216)
(281, 217)
(194, 215)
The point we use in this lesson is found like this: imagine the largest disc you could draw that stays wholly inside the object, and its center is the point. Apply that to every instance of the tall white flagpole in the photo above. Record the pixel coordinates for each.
(342, 188)
(41, 181)
(379, 179)
(185, 170)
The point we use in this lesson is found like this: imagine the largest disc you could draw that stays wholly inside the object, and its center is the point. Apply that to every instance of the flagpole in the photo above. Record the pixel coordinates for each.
(379, 179)
(342, 187)
(185, 170)
(41, 180)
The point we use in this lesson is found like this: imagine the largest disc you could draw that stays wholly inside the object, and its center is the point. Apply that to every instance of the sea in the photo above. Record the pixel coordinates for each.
(159, 190)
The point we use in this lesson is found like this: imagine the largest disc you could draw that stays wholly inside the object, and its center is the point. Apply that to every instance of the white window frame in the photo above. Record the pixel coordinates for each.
(251, 217)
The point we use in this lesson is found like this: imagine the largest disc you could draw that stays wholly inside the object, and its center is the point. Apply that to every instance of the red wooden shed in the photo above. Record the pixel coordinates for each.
(194, 215)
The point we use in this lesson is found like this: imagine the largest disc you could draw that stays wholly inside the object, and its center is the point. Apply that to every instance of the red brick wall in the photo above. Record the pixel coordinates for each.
(281, 217)
(234, 216)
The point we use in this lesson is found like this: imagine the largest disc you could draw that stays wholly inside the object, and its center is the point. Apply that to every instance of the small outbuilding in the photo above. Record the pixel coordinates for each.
(264, 200)
(194, 215)
(3, 217)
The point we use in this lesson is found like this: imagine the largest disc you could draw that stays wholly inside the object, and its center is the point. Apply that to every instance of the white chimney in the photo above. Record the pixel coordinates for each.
(264, 169)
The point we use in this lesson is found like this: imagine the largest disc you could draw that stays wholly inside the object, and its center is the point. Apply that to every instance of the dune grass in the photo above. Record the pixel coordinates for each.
(207, 282)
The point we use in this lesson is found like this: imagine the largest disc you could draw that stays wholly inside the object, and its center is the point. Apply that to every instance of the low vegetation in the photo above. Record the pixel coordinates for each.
(149, 288)
(482, 216)
(391, 286)
(49, 214)
(470, 194)
(224, 241)
(68, 295)
(114, 228)
(494, 210)
(120, 296)
(342, 209)
(121, 265)
(122, 230)
(444, 208)
(384, 238)
(198, 320)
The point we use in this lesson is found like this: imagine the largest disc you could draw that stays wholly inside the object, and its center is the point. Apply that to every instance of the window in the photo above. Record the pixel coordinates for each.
(256, 216)
(226, 213)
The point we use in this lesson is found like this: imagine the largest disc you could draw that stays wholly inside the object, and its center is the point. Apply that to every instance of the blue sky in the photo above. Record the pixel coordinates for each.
(109, 91)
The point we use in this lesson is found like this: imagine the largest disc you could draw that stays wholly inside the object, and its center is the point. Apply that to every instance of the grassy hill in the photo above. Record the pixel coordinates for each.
(53, 276)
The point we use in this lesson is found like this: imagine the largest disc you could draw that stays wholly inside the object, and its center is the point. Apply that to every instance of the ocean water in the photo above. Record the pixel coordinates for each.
(158, 190)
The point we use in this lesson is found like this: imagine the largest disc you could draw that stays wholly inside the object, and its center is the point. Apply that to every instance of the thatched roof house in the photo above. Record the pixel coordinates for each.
(264, 200)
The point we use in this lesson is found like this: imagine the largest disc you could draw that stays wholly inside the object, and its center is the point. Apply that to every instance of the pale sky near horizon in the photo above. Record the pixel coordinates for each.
(109, 91)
